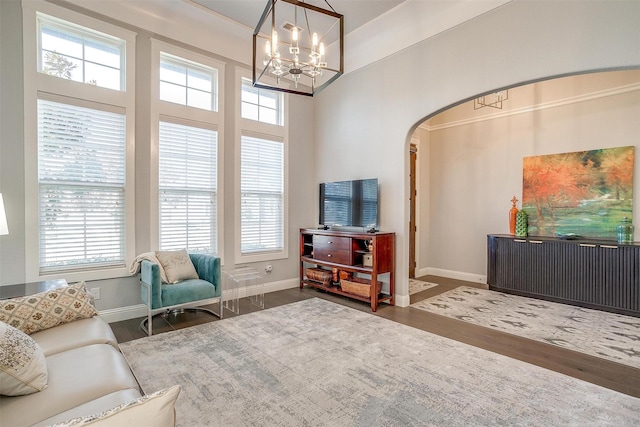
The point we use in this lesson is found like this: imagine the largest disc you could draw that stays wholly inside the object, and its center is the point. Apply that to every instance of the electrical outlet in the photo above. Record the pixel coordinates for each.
(268, 269)
(95, 292)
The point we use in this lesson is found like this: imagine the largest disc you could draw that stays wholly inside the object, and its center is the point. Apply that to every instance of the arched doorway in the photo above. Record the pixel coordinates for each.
(470, 163)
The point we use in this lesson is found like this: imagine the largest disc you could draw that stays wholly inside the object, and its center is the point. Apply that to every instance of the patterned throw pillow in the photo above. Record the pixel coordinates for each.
(153, 410)
(23, 369)
(177, 265)
(47, 309)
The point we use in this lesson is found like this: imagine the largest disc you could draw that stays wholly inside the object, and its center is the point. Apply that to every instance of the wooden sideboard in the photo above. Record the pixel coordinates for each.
(345, 251)
(590, 273)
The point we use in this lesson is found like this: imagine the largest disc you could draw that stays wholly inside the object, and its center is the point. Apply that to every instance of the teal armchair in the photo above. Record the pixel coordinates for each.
(165, 298)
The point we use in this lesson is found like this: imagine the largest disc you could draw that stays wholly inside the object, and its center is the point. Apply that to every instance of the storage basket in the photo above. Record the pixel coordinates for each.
(358, 286)
(319, 275)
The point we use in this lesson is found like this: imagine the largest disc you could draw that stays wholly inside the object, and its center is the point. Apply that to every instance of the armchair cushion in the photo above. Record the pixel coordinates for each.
(177, 265)
(187, 291)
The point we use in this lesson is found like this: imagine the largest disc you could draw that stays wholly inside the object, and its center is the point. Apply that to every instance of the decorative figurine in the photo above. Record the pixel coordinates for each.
(512, 216)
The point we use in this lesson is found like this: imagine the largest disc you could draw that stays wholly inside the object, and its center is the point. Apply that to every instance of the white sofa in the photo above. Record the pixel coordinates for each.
(87, 374)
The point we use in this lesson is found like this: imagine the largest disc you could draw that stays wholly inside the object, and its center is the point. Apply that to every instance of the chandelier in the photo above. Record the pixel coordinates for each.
(297, 47)
(493, 100)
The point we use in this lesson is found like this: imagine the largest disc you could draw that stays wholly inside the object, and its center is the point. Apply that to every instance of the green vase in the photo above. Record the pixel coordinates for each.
(625, 231)
(522, 224)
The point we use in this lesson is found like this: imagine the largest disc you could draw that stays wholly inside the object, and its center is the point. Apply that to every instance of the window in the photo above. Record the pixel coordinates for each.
(262, 195)
(79, 127)
(187, 126)
(81, 178)
(261, 105)
(187, 83)
(188, 188)
(76, 53)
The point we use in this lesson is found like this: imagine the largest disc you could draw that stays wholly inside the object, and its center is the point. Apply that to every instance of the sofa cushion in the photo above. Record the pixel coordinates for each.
(47, 309)
(23, 369)
(94, 330)
(95, 406)
(154, 410)
(76, 377)
(177, 265)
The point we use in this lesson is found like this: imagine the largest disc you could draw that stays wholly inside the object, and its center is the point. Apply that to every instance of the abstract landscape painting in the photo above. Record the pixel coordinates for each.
(585, 193)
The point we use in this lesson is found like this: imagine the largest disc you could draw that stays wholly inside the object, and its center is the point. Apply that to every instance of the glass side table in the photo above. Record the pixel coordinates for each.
(247, 278)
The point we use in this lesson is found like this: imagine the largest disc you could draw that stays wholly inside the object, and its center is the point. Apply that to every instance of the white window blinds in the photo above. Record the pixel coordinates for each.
(188, 164)
(81, 177)
(262, 195)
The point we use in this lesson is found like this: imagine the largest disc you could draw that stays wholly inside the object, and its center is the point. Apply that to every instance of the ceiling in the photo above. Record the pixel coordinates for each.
(356, 12)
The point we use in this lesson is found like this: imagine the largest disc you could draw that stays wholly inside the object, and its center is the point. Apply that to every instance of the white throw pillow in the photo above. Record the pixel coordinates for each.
(153, 410)
(23, 368)
(177, 265)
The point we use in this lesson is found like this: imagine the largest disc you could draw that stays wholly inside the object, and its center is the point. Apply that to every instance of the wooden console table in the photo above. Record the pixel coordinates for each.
(589, 273)
(345, 251)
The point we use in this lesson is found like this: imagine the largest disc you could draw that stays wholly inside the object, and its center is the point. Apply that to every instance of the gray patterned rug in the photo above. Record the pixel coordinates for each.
(416, 286)
(316, 363)
(598, 333)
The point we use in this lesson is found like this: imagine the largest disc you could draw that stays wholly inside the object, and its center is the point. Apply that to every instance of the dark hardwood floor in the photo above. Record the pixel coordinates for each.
(615, 376)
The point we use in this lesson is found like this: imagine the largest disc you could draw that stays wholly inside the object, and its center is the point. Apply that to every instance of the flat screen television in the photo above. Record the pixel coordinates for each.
(349, 204)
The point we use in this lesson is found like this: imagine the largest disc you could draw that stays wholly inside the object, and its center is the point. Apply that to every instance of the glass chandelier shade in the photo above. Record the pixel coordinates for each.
(297, 47)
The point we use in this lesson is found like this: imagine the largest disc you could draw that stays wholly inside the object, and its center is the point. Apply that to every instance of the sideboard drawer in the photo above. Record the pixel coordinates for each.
(332, 243)
(332, 255)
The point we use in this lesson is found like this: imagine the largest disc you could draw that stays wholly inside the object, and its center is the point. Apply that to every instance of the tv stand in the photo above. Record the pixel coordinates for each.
(346, 251)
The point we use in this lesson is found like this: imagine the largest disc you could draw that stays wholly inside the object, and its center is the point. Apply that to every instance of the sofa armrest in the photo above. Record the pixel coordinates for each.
(208, 268)
(150, 277)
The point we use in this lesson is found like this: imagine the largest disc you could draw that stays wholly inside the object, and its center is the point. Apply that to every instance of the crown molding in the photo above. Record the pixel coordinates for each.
(537, 107)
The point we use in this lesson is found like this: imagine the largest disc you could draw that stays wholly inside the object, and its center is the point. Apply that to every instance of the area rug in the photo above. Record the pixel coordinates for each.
(416, 286)
(598, 333)
(316, 363)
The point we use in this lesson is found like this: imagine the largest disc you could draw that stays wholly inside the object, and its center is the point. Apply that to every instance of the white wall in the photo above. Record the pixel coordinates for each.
(479, 167)
(365, 119)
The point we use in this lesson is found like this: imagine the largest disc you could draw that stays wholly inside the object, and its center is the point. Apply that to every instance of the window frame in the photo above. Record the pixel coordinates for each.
(279, 110)
(213, 72)
(83, 32)
(279, 133)
(81, 94)
(189, 116)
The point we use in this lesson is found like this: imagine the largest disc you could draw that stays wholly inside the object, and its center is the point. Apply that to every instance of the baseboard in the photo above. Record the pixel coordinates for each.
(140, 310)
(402, 300)
(451, 274)
(123, 313)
